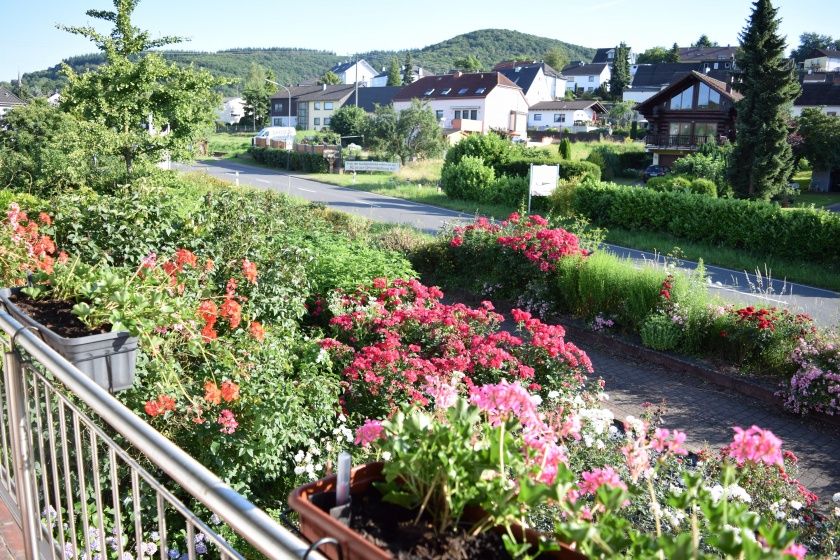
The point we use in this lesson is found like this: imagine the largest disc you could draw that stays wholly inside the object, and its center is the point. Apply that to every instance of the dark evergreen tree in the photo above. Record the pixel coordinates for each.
(394, 77)
(620, 72)
(704, 41)
(408, 69)
(762, 162)
(674, 54)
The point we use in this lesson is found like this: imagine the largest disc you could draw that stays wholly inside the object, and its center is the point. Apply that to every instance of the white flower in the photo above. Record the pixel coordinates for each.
(738, 493)
(299, 470)
(779, 515)
(796, 505)
(553, 394)
(836, 498)
(386, 455)
(837, 512)
(717, 492)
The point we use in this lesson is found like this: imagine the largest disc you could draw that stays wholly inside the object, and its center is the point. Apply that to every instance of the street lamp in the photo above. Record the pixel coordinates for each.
(289, 123)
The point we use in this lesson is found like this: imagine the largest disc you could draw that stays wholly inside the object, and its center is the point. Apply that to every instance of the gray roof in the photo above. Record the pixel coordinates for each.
(584, 69)
(369, 97)
(818, 94)
(578, 105)
(601, 55)
(296, 91)
(523, 76)
(342, 66)
(664, 73)
(699, 54)
(328, 93)
(9, 99)
(830, 53)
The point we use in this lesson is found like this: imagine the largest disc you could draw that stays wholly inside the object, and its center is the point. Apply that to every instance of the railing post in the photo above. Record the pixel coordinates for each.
(19, 428)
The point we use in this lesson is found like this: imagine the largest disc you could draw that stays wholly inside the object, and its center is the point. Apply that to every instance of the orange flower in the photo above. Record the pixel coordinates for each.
(160, 406)
(232, 311)
(208, 333)
(209, 265)
(208, 311)
(230, 391)
(257, 330)
(63, 258)
(184, 257)
(249, 269)
(212, 394)
(45, 218)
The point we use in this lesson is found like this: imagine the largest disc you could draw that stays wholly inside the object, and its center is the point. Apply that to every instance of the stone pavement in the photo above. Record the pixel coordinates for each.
(11, 537)
(707, 413)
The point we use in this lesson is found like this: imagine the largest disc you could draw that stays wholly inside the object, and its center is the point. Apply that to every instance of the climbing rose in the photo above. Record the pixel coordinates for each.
(369, 432)
(757, 446)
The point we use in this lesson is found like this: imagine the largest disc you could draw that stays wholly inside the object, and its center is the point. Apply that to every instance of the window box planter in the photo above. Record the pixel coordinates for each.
(109, 359)
(312, 502)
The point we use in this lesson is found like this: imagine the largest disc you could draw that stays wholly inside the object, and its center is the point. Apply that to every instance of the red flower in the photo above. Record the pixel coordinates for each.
(249, 269)
(230, 391)
(212, 393)
(209, 265)
(456, 242)
(185, 257)
(160, 406)
(208, 333)
(45, 218)
(208, 311)
(257, 331)
(232, 311)
(63, 258)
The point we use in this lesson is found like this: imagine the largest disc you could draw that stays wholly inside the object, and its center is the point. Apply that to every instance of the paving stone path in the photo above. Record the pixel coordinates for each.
(707, 413)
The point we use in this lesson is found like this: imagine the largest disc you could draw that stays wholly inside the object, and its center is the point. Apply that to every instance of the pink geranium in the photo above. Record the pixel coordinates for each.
(795, 550)
(594, 479)
(369, 432)
(757, 446)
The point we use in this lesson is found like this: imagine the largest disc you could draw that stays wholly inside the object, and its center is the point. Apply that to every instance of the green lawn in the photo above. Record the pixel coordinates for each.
(231, 144)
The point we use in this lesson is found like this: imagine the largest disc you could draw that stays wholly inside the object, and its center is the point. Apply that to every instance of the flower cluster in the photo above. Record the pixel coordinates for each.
(756, 445)
(24, 248)
(230, 310)
(815, 386)
(667, 286)
(160, 406)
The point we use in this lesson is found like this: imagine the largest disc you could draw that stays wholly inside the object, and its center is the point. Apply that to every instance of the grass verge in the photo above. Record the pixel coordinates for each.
(822, 276)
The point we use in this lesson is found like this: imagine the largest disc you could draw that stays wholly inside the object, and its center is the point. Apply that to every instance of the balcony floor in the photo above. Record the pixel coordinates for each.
(11, 536)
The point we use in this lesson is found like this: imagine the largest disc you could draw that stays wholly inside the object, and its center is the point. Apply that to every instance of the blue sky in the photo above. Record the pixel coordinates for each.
(30, 41)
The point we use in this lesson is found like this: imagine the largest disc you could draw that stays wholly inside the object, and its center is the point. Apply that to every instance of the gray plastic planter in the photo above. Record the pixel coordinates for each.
(108, 359)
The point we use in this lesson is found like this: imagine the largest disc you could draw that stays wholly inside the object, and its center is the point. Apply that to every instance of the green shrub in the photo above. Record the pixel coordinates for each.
(467, 179)
(704, 186)
(802, 233)
(660, 332)
(565, 149)
(491, 148)
(510, 191)
(298, 161)
(637, 161)
(616, 159)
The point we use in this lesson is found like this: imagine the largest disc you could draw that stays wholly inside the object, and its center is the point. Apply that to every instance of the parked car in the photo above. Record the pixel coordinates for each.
(655, 171)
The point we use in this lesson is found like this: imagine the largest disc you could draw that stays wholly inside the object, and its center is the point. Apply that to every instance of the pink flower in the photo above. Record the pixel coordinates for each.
(664, 441)
(227, 422)
(757, 446)
(594, 479)
(369, 432)
(444, 394)
(506, 400)
(795, 550)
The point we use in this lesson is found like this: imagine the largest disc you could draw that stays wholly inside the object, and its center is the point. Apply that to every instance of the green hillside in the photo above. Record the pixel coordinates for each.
(297, 65)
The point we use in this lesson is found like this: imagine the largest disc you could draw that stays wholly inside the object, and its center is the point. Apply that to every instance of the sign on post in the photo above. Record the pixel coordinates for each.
(355, 165)
(543, 181)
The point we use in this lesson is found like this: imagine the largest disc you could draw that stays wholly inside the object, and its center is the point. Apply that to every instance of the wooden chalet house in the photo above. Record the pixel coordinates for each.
(694, 110)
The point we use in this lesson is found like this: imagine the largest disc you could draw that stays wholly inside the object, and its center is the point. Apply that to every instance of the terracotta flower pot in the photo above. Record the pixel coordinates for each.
(109, 359)
(316, 524)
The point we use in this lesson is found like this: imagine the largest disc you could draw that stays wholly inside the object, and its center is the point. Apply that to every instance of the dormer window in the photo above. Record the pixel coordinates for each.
(480, 90)
(429, 92)
(462, 91)
(446, 91)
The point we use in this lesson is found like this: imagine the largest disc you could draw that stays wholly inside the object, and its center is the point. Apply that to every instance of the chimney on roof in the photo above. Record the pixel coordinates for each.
(323, 87)
(457, 73)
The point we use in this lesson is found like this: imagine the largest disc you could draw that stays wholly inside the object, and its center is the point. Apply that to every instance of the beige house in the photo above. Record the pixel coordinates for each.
(315, 109)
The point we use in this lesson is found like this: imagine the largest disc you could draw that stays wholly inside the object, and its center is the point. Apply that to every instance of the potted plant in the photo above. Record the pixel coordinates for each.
(455, 483)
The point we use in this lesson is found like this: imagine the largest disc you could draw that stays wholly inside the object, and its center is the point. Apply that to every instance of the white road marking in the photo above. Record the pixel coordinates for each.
(264, 181)
(302, 189)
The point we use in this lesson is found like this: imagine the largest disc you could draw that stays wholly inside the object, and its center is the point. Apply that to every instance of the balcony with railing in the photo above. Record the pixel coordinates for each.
(85, 478)
(678, 142)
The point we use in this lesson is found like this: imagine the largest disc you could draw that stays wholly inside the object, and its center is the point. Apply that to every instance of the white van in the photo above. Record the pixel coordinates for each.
(269, 133)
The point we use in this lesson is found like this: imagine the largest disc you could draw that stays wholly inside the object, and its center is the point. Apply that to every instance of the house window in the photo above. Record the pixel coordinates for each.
(328, 105)
(537, 116)
(559, 117)
(327, 121)
(462, 91)
(317, 105)
(446, 91)
(480, 90)
(429, 91)
(680, 132)
(473, 114)
(590, 88)
(704, 132)
(683, 100)
(591, 78)
(439, 114)
(707, 98)
(317, 121)
(716, 65)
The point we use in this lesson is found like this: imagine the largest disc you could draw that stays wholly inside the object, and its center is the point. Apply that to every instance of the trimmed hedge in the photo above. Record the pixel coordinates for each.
(569, 169)
(801, 233)
(299, 161)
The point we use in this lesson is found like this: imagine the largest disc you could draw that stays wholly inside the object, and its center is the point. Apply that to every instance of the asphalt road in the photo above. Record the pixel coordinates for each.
(731, 285)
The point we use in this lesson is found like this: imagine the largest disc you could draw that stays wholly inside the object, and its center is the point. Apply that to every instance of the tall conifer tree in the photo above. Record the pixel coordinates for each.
(762, 160)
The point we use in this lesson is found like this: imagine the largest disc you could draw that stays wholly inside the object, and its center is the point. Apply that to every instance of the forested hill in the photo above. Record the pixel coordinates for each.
(290, 65)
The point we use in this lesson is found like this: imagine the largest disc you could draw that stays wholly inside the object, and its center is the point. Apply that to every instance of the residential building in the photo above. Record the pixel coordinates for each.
(538, 80)
(8, 101)
(824, 95)
(370, 97)
(352, 71)
(54, 99)
(823, 60)
(721, 55)
(381, 79)
(474, 102)
(694, 110)
(231, 111)
(315, 109)
(583, 77)
(564, 114)
(608, 55)
(650, 79)
(281, 101)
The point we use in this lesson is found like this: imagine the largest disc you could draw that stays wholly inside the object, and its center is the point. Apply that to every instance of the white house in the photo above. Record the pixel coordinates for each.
(587, 77)
(823, 60)
(54, 99)
(475, 102)
(564, 114)
(417, 72)
(538, 80)
(350, 72)
(8, 101)
(231, 111)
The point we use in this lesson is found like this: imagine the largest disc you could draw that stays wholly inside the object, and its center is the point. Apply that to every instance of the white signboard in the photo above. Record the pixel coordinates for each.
(371, 166)
(544, 179)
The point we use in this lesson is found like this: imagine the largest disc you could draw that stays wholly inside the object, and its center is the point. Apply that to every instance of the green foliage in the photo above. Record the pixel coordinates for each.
(350, 120)
(704, 41)
(468, 64)
(660, 332)
(565, 148)
(257, 95)
(655, 55)
(810, 41)
(394, 77)
(620, 76)
(621, 113)
(556, 58)
(614, 159)
(136, 88)
(411, 134)
(467, 179)
(298, 161)
(44, 151)
(710, 163)
(492, 148)
(808, 234)
(329, 79)
(821, 135)
(762, 161)
(704, 186)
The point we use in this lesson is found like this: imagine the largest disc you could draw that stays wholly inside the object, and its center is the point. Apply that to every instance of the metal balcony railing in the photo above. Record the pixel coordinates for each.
(86, 478)
(677, 141)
